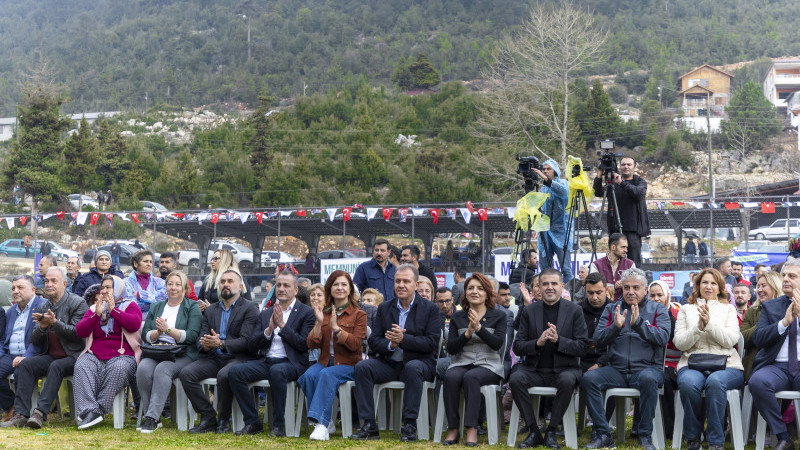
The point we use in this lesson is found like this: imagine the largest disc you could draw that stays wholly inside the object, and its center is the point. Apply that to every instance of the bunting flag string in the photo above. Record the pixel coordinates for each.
(371, 212)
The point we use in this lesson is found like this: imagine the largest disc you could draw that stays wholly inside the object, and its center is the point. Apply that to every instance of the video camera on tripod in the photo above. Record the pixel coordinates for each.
(608, 159)
(526, 167)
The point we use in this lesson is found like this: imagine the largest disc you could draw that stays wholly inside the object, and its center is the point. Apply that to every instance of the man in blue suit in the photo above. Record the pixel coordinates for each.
(776, 364)
(17, 325)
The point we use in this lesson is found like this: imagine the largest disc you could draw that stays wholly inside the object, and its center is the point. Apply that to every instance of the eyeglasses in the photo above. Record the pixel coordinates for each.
(215, 258)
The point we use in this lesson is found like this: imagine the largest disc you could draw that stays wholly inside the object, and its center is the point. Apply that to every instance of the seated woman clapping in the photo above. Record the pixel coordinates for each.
(340, 328)
(176, 320)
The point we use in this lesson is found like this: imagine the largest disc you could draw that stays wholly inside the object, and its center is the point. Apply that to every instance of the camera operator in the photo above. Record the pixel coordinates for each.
(631, 192)
(551, 243)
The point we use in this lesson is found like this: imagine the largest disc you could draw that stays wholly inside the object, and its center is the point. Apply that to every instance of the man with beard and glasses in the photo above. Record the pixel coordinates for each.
(168, 263)
(227, 326)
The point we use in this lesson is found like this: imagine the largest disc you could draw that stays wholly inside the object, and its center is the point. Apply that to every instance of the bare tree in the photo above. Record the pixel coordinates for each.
(527, 103)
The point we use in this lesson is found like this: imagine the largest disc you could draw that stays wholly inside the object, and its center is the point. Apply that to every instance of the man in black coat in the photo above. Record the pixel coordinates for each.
(223, 343)
(593, 307)
(279, 339)
(552, 337)
(776, 364)
(404, 345)
(631, 194)
(526, 271)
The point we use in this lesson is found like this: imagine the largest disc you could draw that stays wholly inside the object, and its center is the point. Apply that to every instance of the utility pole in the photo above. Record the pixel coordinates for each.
(249, 50)
(710, 176)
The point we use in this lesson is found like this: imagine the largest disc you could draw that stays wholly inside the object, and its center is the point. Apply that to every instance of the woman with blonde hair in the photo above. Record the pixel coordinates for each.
(768, 286)
(707, 330)
(222, 261)
(371, 296)
(425, 288)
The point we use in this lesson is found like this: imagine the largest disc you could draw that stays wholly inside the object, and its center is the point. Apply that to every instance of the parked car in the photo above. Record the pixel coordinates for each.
(126, 251)
(647, 253)
(777, 231)
(336, 254)
(242, 254)
(271, 258)
(153, 206)
(751, 246)
(16, 247)
(75, 199)
(774, 248)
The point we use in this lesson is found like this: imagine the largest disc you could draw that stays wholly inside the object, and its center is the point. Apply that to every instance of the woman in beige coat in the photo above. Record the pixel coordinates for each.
(707, 325)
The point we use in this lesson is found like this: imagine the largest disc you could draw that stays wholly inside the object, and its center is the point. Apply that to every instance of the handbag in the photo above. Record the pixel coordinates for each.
(162, 351)
(707, 363)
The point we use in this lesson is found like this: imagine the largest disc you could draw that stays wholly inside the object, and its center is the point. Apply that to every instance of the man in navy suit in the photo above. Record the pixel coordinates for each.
(403, 343)
(279, 339)
(776, 364)
(17, 325)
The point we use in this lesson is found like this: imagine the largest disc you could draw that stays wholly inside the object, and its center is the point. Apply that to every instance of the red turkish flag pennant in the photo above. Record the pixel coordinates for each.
(387, 212)
(23, 219)
(357, 206)
(766, 208)
(110, 217)
(179, 215)
(259, 217)
(678, 203)
(301, 213)
(435, 214)
(469, 207)
(135, 218)
(94, 218)
(214, 217)
(346, 213)
(482, 214)
(731, 205)
(60, 215)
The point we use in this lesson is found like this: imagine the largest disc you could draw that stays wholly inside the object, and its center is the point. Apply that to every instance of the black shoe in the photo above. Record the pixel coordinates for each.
(224, 426)
(646, 442)
(601, 441)
(550, 440)
(534, 439)
(408, 433)
(481, 430)
(452, 441)
(149, 425)
(784, 445)
(251, 429)
(205, 426)
(90, 420)
(367, 432)
(278, 432)
(693, 444)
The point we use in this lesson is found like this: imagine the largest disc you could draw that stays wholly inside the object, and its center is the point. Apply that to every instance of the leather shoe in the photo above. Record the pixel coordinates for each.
(408, 433)
(452, 441)
(550, 440)
(224, 426)
(205, 426)
(367, 432)
(278, 432)
(784, 445)
(534, 439)
(251, 429)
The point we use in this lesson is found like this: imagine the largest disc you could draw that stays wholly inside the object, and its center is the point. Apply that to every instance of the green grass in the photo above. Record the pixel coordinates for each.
(63, 433)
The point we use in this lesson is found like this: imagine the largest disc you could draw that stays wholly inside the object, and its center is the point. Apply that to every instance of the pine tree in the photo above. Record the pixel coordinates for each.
(423, 74)
(80, 157)
(602, 121)
(261, 153)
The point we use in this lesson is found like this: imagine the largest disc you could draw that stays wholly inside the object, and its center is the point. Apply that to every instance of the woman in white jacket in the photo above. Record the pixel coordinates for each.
(707, 324)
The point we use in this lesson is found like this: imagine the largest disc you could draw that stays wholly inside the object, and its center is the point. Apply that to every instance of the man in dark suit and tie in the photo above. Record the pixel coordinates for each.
(17, 338)
(279, 340)
(224, 335)
(776, 364)
(403, 343)
(552, 337)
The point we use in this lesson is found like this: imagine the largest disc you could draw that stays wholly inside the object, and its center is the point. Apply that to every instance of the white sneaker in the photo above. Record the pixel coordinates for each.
(320, 433)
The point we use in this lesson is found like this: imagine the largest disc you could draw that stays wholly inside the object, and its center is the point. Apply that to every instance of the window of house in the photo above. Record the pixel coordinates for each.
(698, 82)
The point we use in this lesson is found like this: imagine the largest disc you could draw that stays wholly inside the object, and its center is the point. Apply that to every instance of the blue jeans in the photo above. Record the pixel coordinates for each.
(691, 384)
(553, 252)
(647, 381)
(320, 385)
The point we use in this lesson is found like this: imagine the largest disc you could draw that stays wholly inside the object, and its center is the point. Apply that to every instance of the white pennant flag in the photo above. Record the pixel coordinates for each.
(286, 213)
(371, 212)
(161, 216)
(10, 222)
(331, 213)
(47, 216)
(511, 211)
(243, 216)
(465, 214)
(697, 205)
(751, 204)
(81, 219)
(417, 212)
(201, 217)
(124, 216)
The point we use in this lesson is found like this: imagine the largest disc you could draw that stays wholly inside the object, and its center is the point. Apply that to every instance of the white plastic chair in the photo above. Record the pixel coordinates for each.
(734, 408)
(761, 425)
(570, 423)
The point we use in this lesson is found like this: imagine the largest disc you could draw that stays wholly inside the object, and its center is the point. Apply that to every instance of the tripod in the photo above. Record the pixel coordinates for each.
(610, 194)
(578, 201)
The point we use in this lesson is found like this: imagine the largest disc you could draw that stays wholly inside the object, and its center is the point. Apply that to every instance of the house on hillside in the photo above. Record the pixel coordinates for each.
(781, 80)
(9, 124)
(704, 91)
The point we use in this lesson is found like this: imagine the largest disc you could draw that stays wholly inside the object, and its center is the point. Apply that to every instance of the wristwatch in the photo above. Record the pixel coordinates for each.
(169, 330)
(222, 345)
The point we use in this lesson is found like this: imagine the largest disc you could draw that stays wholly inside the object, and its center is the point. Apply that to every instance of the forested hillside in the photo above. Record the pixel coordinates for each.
(116, 55)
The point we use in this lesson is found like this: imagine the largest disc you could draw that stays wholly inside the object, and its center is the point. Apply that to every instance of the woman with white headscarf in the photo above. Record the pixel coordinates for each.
(108, 363)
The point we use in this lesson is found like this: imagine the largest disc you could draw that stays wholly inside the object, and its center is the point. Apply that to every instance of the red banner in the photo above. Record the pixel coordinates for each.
(482, 214)
(435, 214)
(346, 213)
(766, 208)
(387, 212)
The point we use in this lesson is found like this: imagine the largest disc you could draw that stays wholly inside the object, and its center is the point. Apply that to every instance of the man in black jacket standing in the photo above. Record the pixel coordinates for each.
(224, 334)
(404, 344)
(631, 193)
(552, 337)
(279, 339)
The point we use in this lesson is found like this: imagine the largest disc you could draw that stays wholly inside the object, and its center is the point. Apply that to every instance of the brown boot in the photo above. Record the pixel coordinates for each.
(36, 420)
(8, 415)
